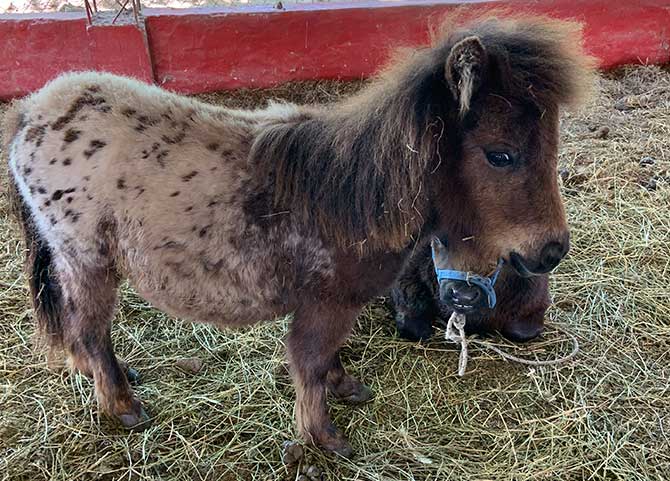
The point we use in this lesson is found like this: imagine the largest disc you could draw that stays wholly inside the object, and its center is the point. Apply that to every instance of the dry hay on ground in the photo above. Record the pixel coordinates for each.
(604, 416)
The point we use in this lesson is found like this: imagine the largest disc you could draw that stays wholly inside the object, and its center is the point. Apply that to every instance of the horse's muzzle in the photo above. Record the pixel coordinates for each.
(520, 330)
(463, 297)
(550, 256)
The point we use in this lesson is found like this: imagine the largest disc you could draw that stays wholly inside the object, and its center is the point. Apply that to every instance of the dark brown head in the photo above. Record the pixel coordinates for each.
(496, 194)
(520, 305)
(519, 312)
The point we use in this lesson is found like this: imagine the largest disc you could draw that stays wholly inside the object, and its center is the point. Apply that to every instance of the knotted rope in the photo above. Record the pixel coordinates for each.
(456, 333)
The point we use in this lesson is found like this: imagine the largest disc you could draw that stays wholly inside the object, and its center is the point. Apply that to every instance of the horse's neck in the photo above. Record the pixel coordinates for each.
(375, 154)
(356, 170)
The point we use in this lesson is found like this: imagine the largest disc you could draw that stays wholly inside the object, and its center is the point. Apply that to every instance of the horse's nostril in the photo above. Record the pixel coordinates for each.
(467, 295)
(462, 296)
(552, 254)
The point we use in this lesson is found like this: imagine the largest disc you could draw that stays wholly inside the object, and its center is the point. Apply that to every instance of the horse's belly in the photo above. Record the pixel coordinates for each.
(213, 291)
(215, 307)
(228, 284)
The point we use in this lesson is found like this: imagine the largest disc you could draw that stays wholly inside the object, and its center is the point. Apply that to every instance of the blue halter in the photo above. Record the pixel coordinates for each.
(486, 284)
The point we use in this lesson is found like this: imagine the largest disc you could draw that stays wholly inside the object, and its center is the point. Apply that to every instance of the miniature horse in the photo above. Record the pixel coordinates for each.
(518, 314)
(230, 216)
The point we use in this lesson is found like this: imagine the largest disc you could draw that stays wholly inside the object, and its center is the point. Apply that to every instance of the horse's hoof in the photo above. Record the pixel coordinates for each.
(135, 421)
(362, 395)
(292, 452)
(132, 375)
(350, 390)
(333, 441)
(341, 448)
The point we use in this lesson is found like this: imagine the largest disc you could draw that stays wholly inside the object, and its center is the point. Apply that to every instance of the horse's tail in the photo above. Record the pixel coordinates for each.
(12, 122)
(45, 290)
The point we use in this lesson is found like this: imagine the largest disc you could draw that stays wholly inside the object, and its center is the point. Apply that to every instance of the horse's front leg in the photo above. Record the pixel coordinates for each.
(345, 386)
(316, 335)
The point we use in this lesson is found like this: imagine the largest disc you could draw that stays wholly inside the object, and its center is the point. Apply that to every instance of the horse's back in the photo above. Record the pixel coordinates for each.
(159, 186)
(93, 145)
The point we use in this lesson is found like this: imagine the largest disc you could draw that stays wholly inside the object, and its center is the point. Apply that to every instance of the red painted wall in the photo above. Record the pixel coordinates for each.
(617, 32)
(36, 48)
(205, 49)
(32, 50)
(260, 49)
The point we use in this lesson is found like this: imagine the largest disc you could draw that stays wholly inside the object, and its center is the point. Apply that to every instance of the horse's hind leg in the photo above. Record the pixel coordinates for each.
(316, 335)
(90, 304)
(74, 305)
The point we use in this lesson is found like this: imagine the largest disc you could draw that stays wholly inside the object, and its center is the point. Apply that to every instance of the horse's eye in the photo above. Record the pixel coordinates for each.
(499, 159)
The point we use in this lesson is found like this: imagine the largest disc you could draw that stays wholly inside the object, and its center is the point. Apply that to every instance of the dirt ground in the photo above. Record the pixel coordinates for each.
(604, 416)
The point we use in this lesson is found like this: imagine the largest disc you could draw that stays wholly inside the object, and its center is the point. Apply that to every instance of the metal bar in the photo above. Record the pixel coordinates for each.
(88, 12)
(123, 9)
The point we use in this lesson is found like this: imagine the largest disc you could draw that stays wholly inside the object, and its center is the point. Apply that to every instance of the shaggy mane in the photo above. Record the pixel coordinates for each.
(357, 170)
(540, 60)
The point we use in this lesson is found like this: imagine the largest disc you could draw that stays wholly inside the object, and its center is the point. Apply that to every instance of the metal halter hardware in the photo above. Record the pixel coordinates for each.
(486, 284)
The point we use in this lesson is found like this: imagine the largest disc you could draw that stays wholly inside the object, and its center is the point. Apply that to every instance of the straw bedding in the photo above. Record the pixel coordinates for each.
(222, 400)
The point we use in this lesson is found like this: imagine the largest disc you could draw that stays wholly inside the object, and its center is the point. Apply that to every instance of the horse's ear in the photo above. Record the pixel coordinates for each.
(440, 252)
(464, 69)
